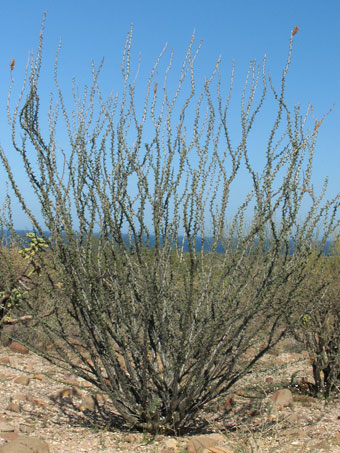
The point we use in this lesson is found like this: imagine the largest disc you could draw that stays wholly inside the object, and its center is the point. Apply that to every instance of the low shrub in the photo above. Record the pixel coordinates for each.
(318, 327)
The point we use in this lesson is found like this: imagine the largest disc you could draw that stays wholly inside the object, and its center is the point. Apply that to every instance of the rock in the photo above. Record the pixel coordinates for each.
(66, 393)
(282, 398)
(24, 444)
(37, 402)
(101, 398)
(159, 437)
(88, 403)
(170, 444)
(60, 395)
(23, 380)
(86, 385)
(26, 429)
(198, 444)
(18, 397)
(76, 392)
(38, 377)
(18, 348)
(5, 427)
(14, 407)
(293, 418)
(7, 333)
(5, 360)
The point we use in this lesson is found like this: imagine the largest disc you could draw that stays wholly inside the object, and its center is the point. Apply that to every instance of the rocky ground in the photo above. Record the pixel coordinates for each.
(271, 410)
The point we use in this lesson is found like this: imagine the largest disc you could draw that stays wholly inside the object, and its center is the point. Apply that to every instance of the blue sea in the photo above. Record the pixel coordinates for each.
(207, 243)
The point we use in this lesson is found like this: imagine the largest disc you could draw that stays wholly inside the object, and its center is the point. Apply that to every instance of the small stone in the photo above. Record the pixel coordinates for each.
(171, 444)
(63, 394)
(38, 377)
(76, 392)
(23, 380)
(36, 402)
(198, 444)
(282, 398)
(101, 398)
(40, 403)
(54, 396)
(70, 380)
(5, 427)
(88, 403)
(14, 407)
(159, 437)
(18, 348)
(293, 418)
(19, 397)
(26, 429)
(70, 377)
(5, 360)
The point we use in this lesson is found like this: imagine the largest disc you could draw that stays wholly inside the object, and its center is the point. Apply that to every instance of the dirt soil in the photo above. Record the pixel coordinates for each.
(40, 400)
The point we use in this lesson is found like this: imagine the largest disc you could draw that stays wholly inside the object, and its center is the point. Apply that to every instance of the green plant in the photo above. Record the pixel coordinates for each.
(159, 322)
(16, 284)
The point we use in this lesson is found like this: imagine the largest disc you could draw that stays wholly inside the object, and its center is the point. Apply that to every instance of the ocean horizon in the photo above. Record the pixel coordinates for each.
(206, 243)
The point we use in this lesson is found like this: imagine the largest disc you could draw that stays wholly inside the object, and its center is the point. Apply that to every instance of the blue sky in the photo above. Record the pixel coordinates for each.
(239, 30)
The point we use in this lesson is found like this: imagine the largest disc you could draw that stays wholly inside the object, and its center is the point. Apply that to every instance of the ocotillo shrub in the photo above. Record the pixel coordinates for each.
(167, 324)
